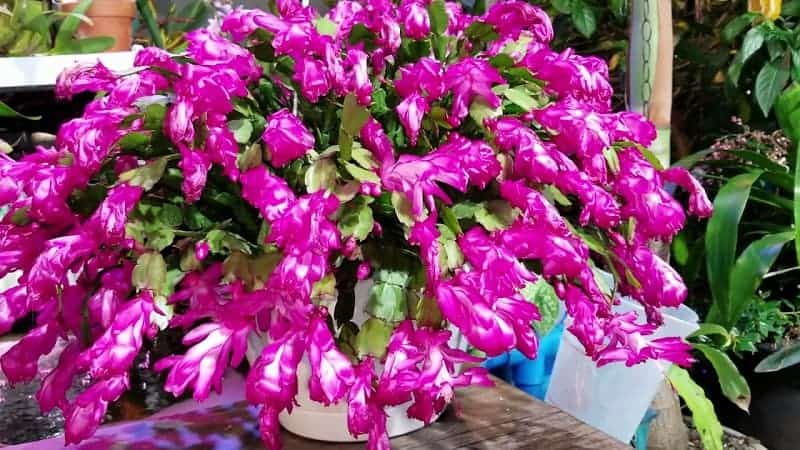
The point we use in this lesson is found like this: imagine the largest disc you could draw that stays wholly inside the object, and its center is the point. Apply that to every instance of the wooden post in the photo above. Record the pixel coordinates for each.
(650, 93)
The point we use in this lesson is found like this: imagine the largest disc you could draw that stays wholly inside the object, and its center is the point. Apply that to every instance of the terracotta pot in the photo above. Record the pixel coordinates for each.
(113, 18)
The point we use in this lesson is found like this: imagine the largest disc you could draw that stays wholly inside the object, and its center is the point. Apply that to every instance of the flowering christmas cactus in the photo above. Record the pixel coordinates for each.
(465, 167)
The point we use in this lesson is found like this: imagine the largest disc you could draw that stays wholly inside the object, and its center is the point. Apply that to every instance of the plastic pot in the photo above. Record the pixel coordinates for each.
(613, 398)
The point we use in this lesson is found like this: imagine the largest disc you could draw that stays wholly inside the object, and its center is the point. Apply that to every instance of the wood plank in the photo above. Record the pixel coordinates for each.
(501, 418)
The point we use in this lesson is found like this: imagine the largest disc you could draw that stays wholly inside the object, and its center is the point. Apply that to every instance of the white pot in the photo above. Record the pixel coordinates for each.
(312, 420)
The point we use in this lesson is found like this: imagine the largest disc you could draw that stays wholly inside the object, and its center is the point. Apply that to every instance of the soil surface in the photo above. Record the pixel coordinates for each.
(731, 440)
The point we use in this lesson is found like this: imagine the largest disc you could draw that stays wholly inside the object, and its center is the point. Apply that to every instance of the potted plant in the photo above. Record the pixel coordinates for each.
(241, 191)
(106, 18)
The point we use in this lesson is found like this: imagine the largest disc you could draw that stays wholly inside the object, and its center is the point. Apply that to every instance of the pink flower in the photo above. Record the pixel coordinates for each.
(375, 140)
(286, 137)
(360, 412)
(214, 347)
(699, 204)
(89, 408)
(108, 221)
(84, 78)
(268, 193)
(201, 250)
(411, 112)
(242, 22)
(364, 271)
(113, 353)
(359, 81)
(416, 23)
(212, 50)
(417, 178)
(179, 122)
(223, 150)
(426, 236)
(477, 159)
(53, 391)
(14, 305)
(313, 78)
(195, 166)
(21, 362)
(331, 372)
(156, 57)
(467, 79)
(423, 77)
(272, 380)
(571, 76)
(510, 18)
(659, 284)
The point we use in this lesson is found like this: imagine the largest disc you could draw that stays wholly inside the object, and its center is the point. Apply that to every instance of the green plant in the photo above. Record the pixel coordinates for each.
(26, 28)
(168, 32)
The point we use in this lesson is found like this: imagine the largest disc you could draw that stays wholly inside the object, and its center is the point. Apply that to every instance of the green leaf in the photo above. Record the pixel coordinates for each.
(495, 215)
(149, 17)
(356, 219)
(378, 106)
(481, 32)
(703, 415)
(520, 97)
(711, 329)
(584, 18)
(252, 157)
(321, 175)
(545, 298)
(735, 27)
(154, 116)
(502, 61)
(242, 130)
(438, 17)
(769, 83)
(362, 175)
(9, 112)
(132, 141)
(325, 26)
(146, 176)
(753, 41)
(787, 111)
(150, 273)
(402, 209)
(612, 160)
(796, 203)
(619, 8)
(193, 15)
(70, 25)
(733, 384)
(749, 270)
(787, 356)
(95, 44)
(721, 238)
(388, 302)
(562, 6)
(364, 157)
(480, 111)
(373, 338)
(354, 116)
(224, 242)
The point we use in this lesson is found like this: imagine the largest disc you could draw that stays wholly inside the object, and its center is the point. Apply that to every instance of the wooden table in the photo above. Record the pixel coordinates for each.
(500, 418)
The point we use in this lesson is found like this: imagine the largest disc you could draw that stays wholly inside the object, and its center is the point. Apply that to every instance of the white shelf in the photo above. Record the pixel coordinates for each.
(36, 72)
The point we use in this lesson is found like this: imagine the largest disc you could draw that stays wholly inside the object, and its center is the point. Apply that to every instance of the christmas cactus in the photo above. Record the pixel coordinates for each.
(465, 167)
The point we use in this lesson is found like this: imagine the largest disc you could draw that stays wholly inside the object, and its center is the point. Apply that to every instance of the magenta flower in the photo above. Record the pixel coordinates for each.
(477, 159)
(699, 204)
(467, 79)
(417, 178)
(332, 373)
(223, 150)
(411, 112)
(423, 77)
(53, 391)
(83, 78)
(214, 347)
(240, 23)
(571, 76)
(195, 166)
(268, 193)
(88, 409)
(20, 363)
(510, 18)
(179, 121)
(13, 306)
(312, 75)
(286, 138)
(212, 50)
(426, 236)
(375, 140)
(360, 411)
(416, 23)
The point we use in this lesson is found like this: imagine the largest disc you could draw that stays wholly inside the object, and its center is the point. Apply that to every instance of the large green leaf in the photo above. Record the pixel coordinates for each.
(736, 26)
(148, 13)
(705, 419)
(69, 26)
(753, 41)
(95, 44)
(785, 357)
(733, 384)
(787, 110)
(749, 270)
(796, 201)
(721, 239)
(769, 83)
(9, 112)
(584, 18)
